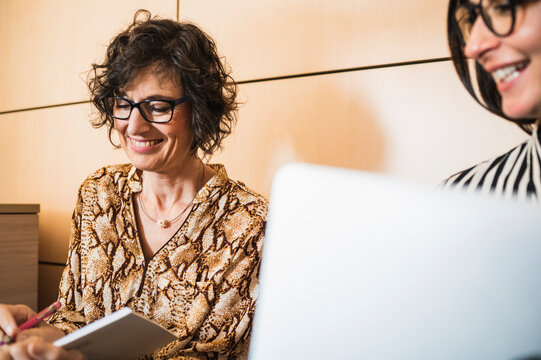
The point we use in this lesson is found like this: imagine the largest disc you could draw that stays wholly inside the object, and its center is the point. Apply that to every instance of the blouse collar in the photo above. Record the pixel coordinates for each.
(135, 182)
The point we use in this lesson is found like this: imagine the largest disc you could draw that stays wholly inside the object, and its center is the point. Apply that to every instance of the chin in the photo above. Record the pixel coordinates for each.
(521, 111)
(144, 166)
(139, 164)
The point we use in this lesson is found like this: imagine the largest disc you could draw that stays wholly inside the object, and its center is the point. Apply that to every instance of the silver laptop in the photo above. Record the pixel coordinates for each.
(362, 266)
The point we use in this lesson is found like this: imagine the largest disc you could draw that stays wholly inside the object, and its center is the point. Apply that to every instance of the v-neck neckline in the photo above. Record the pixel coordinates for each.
(135, 185)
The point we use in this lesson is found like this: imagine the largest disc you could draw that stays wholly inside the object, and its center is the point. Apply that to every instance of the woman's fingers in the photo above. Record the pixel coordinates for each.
(41, 350)
(35, 348)
(47, 332)
(7, 321)
(11, 316)
(20, 313)
(18, 351)
(4, 353)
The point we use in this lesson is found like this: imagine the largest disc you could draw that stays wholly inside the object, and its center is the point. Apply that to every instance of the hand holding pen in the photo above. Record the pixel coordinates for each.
(30, 323)
(32, 344)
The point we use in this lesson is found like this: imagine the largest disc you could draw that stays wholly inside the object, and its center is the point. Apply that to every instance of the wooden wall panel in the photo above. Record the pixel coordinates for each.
(19, 259)
(44, 157)
(281, 37)
(414, 122)
(49, 279)
(48, 46)
(423, 127)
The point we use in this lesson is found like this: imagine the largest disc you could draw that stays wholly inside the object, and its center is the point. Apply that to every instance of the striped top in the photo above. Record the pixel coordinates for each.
(516, 173)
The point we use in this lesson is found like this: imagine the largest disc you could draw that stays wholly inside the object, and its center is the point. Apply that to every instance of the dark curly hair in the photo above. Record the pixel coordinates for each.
(490, 97)
(182, 51)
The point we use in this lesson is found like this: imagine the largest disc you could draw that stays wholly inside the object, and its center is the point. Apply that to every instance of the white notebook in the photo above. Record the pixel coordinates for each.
(120, 335)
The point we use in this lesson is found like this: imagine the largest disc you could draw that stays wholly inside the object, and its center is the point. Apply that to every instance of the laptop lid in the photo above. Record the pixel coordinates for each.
(362, 266)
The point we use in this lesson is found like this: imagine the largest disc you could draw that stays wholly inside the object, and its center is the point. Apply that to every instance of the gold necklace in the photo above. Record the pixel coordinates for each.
(164, 223)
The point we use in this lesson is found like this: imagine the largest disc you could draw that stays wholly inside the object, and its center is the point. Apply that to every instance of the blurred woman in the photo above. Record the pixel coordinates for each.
(504, 39)
(167, 235)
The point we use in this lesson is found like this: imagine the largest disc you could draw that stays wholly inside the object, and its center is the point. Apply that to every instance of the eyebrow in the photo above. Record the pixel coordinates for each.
(151, 97)
(159, 97)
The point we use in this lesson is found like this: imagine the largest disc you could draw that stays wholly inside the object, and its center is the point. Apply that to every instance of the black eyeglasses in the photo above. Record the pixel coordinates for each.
(498, 15)
(154, 111)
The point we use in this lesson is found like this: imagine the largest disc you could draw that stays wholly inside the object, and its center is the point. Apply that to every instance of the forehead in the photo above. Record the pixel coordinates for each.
(154, 79)
(488, 2)
(484, 2)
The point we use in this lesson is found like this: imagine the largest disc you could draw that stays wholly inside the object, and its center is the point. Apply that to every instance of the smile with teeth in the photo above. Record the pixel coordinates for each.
(508, 73)
(144, 144)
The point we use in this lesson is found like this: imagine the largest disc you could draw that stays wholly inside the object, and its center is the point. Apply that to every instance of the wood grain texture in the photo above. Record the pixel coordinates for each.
(48, 45)
(19, 259)
(56, 150)
(19, 208)
(269, 38)
(414, 122)
(424, 127)
(48, 281)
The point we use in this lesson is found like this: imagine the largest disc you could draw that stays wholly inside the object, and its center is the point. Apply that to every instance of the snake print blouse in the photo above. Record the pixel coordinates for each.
(201, 285)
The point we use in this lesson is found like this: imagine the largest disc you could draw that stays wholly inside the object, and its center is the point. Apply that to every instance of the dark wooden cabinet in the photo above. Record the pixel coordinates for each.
(19, 254)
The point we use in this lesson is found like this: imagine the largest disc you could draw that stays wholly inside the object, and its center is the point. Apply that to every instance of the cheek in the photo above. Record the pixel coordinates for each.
(181, 126)
(527, 35)
(120, 129)
(120, 126)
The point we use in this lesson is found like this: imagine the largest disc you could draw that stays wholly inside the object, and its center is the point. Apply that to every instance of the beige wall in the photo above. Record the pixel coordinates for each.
(369, 98)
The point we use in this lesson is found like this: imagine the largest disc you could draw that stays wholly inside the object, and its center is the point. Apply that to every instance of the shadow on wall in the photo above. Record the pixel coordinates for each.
(55, 232)
(312, 120)
(329, 127)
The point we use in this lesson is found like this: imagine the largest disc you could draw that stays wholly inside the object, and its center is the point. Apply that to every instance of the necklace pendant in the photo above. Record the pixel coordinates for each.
(163, 223)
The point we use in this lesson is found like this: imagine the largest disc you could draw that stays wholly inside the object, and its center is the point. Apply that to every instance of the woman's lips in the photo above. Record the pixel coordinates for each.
(509, 73)
(143, 145)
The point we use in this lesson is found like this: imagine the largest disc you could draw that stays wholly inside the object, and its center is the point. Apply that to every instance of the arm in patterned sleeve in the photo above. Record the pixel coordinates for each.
(225, 333)
(242, 345)
(236, 298)
(70, 316)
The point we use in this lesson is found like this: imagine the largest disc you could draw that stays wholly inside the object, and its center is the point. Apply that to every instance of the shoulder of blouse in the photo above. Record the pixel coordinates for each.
(103, 178)
(238, 189)
(256, 201)
(485, 166)
(115, 170)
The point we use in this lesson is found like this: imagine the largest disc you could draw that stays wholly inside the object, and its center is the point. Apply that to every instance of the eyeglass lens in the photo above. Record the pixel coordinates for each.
(152, 110)
(498, 16)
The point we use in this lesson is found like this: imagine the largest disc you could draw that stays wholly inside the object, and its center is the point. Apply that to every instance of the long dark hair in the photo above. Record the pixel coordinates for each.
(182, 51)
(490, 98)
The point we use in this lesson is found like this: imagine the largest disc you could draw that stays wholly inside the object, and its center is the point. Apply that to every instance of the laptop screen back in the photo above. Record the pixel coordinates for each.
(361, 266)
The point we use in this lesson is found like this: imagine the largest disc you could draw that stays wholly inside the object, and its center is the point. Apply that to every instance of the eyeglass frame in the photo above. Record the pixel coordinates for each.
(172, 103)
(477, 9)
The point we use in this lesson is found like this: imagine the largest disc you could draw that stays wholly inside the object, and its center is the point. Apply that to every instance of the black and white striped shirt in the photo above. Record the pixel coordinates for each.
(516, 173)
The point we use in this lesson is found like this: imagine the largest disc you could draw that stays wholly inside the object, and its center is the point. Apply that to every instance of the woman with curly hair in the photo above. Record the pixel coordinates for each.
(504, 39)
(166, 235)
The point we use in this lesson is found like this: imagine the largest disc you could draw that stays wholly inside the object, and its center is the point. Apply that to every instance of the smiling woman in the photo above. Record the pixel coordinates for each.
(504, 39)
(158, 135)
(167, 235)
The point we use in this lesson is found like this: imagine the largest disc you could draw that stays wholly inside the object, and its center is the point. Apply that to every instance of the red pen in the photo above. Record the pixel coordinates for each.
(33, 321)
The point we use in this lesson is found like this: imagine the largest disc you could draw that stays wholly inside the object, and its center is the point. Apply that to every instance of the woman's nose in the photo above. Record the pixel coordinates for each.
(480, 41)
(136, 122)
